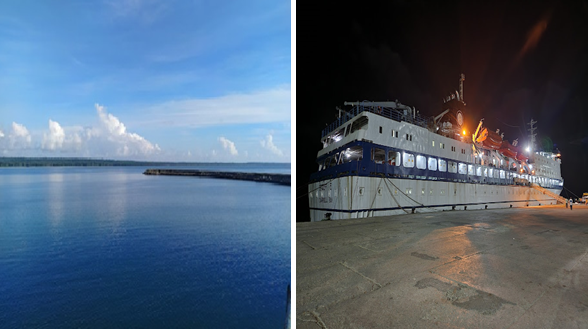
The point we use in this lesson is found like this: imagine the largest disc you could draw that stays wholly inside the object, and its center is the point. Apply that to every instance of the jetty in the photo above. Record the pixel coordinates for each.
(282, 179)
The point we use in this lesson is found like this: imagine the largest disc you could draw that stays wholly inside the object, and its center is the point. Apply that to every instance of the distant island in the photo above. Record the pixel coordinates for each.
(89, 162)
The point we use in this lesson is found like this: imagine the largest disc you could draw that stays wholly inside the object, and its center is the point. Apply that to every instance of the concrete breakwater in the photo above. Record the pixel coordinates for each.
(283, 179)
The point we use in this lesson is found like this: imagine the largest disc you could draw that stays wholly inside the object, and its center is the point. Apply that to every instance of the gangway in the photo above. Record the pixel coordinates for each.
(558, 198)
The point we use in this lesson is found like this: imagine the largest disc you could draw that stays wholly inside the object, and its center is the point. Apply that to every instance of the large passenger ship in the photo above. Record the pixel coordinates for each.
(384, 158)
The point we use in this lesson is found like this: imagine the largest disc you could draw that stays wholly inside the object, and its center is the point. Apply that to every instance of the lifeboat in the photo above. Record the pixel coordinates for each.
(508, 150)
(493, 141)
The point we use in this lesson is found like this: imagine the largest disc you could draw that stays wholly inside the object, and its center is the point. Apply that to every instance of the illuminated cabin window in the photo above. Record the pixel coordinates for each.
(478, 171)
(354, 153)
(432, 164)
(488, 172)
(394, 133)
(442, 165)
(471, 170)
(452, 167)
(378, 155)
(462, 168)
(394, 158)
(408, 160)
(441, 145)
(433, 143)
(421, 162)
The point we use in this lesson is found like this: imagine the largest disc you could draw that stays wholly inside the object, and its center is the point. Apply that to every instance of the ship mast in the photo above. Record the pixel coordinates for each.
(531, 147)
(532, 136)
(461, 80)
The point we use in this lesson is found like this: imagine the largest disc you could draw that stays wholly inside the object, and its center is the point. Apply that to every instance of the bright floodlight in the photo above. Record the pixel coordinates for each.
(528, 149)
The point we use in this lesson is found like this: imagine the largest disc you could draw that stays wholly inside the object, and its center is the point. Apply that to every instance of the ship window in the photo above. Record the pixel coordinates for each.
(378, 155)
(347, 130)
(421, 162)
(479, 171)
(394, 158)
(433, 142)
(411, 138)
(406, 136)
(394, 133)
(353, 153)
(380, 129)
(495, 173)
(408, 160)
(359, 123)
(341, 158)
(488, 172)
(333, 160)
(337, 136)
(502, 174)
(441, 145)
(442, 165)
(326, 163)
(432, 164)
(462, 168)
(471, 170)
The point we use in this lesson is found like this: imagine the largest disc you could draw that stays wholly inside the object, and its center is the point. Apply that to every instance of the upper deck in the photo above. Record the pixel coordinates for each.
(391, 110)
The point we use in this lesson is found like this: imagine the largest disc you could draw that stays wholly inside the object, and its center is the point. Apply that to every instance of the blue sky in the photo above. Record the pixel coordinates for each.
(159, 80)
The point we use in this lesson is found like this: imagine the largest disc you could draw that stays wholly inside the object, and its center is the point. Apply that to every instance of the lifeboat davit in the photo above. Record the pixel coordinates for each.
(493, 141)
(508, 150)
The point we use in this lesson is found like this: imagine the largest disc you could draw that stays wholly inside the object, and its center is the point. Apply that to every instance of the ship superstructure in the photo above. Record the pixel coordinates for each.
(384, 158)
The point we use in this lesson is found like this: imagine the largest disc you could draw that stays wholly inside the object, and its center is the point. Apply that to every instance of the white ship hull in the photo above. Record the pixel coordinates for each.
(361, 197)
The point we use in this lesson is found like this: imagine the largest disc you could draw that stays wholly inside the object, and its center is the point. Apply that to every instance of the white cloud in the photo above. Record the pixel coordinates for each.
(1, 134)
(126, 143)
(268, 143)
(252, 108)
(54, 138)
(19, 137)
(227, 144)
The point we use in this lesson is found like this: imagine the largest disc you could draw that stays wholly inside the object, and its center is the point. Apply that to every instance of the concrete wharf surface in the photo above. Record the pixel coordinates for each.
(502, 268)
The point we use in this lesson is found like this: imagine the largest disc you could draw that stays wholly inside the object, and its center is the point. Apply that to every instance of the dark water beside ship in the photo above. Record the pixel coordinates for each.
(110, 247)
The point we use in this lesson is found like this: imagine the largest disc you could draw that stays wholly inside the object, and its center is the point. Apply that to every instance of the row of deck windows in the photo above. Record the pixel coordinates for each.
(408, 160)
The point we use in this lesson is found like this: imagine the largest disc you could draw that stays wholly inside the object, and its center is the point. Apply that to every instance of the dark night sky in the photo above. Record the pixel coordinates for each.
(521, 61)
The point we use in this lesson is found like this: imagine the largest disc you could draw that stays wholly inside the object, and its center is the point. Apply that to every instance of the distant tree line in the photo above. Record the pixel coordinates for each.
(77, 162)
(87, 162)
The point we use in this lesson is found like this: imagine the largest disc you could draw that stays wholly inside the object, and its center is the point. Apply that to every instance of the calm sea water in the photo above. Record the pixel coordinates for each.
(112, 248)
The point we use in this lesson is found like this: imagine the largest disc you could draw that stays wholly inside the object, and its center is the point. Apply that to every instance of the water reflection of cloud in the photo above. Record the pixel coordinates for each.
(116, 202)
(56, 201)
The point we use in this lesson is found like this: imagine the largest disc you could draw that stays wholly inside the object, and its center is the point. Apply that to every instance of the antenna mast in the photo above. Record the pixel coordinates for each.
(461, 80)
(532, 129)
